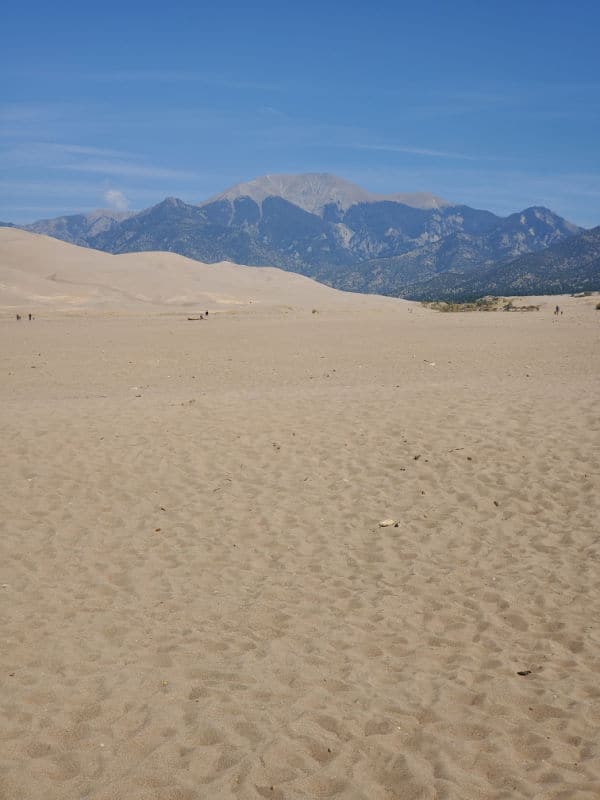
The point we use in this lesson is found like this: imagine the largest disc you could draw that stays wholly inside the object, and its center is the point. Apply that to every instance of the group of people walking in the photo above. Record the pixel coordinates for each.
(19, 317)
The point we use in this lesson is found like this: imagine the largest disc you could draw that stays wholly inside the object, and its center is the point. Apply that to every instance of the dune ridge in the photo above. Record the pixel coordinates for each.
(43, 272)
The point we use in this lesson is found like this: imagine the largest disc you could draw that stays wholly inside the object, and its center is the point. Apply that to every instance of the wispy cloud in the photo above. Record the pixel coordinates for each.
(83, 150)
(220, 81)
(45, 153)
(125, 168)
(182, 76)
(70, 157)
(415, 151)
(84, 175)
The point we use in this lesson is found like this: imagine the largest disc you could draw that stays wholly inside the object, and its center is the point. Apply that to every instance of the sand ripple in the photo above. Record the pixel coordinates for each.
(198, 601)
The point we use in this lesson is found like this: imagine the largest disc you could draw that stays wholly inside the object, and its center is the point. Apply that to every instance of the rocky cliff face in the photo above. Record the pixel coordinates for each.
(571, 265)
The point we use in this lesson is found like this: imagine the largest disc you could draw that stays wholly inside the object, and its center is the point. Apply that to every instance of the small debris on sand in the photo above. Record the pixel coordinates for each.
(386, 523)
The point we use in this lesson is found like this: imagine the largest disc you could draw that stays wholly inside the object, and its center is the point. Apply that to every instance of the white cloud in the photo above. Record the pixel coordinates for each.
(116, 199)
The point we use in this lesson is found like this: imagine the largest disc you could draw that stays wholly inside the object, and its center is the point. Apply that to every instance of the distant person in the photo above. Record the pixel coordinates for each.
(557, 310)
(30, 317)
(18, 317)
(206, 313)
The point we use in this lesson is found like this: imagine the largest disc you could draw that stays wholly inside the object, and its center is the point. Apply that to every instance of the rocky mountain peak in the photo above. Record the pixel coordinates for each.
(313, 191)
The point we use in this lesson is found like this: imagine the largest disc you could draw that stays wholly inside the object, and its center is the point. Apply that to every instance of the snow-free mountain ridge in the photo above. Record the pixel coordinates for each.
(313, 191)
(330, 229)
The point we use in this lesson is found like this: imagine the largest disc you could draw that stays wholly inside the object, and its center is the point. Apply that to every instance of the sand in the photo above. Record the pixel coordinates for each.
(41, 273)
(196, 597)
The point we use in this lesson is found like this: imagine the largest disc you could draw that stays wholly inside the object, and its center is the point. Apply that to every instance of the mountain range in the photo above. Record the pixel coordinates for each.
(417, 246)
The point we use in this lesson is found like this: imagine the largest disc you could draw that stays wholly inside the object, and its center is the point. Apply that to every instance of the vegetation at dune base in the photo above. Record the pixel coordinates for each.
(487, 303)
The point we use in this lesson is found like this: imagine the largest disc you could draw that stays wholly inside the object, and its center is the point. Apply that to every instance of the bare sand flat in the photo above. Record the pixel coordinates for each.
(197, 600)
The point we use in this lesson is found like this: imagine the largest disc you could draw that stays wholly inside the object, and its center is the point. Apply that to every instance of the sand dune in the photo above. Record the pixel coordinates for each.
(38, 272)
(196, 598)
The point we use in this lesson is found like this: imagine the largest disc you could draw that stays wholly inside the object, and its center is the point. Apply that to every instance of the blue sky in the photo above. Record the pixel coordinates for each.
(496, 105)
